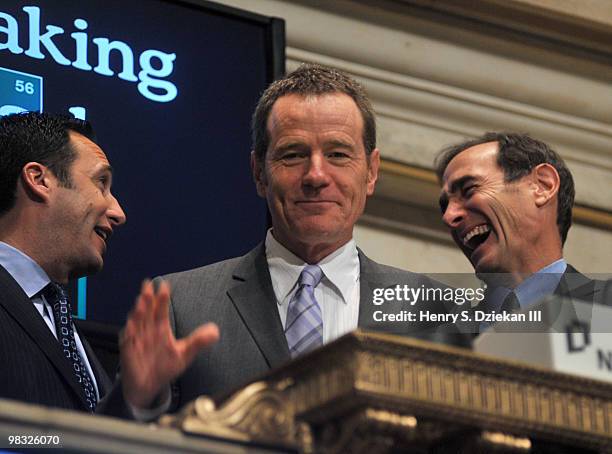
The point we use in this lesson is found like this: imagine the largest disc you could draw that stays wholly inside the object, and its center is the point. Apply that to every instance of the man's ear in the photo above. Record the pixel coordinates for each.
(36, 179)
(546, 183)
(259, 175)
(373, 165)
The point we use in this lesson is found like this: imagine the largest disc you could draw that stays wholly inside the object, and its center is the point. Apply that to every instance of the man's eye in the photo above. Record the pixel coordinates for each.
(468, 190)
(290, 155)
(104, 182)
(337, 155)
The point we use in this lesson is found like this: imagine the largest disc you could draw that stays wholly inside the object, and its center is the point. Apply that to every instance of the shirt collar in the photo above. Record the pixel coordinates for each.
(340, 268)
(26, 272)
(540, 284)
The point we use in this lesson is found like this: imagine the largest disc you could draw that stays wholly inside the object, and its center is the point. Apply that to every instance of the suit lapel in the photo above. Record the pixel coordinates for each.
(20, 307)
(574, 284)
(253, 297)
(371, 277)
(368, 281)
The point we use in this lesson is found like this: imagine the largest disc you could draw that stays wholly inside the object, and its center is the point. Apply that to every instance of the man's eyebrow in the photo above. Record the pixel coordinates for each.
(455, 185)
(460, 182)
(106, 168)
(339, 143)
(289, 146)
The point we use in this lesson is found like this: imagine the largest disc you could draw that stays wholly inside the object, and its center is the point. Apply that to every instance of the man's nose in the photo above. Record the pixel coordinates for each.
(454, 214)
(115, 213)
(317, 172)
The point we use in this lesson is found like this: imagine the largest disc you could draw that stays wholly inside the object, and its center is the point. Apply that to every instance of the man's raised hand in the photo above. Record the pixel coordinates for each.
(151, 357)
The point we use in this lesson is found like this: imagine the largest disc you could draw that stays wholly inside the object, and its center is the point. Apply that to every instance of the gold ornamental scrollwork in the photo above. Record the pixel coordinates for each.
(258, 413)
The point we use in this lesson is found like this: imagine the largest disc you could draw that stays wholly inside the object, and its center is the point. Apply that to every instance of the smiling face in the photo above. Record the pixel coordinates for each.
(316, 176)
(82, 216)
(495, 223)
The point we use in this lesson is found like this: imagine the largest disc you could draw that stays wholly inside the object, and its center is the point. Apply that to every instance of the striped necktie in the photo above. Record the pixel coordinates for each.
(304, 325)
(56, 297)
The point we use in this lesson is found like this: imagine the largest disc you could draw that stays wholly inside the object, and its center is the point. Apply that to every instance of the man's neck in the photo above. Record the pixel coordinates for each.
(513, 278)
(311, 254)
(32, 249)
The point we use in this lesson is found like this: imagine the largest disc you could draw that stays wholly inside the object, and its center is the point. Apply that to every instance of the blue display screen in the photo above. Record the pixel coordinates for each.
(169, 88)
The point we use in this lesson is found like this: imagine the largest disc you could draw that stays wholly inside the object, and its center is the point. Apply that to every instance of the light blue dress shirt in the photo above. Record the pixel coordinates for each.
(32, 279)
(540, 284)
(531, 290)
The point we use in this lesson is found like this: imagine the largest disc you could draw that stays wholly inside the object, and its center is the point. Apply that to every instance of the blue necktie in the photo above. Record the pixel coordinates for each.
(511, 303)
(56, 297)
(304, 325)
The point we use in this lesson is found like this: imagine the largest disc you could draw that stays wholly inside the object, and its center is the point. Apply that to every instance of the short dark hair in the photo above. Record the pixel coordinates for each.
(311, 80)
(36, 137)
(518, 155)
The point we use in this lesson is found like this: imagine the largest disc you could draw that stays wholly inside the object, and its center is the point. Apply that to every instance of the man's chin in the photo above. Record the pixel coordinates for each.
(313, 226)
(483, 267)
(319, 234)
(494, 274)
(89, 268)
(484, 259)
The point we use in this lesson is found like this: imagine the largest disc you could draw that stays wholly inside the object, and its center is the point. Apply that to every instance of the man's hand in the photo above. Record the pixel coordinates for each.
(151, 357)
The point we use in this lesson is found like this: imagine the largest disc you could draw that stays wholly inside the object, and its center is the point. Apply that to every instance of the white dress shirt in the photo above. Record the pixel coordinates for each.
(337, 293)
(32, 279)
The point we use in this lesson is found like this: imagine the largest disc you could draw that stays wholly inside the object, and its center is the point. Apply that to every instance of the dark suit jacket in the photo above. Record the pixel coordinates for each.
(576, 285)
(573, 285)
(32, 365)
(237, 295)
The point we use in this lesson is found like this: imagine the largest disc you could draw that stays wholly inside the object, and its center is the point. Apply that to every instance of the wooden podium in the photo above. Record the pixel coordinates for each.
(364, 393)
(375, 393)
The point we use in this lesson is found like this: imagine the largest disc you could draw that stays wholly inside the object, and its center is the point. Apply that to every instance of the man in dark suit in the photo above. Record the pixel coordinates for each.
(57, 214)
(507, 199)
(315, 162)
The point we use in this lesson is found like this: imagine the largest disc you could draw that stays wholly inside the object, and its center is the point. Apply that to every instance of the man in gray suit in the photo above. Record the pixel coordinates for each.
(315, 162)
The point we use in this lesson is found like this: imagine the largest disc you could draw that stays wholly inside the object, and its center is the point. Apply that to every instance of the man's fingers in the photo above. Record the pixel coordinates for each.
(163, 302)
(139, 312)
(151, 300)
(202, 337)
(146, 289)
(144, 299)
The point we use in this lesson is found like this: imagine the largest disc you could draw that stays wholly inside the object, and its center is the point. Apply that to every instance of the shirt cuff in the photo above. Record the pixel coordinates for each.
(161, 406)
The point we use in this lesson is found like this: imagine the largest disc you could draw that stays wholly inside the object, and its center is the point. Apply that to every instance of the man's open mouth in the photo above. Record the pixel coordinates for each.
(101, 233)
(476, 236)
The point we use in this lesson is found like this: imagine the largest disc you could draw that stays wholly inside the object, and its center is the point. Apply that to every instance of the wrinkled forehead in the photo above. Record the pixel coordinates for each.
(297, 110)
(86, 148)
(474, 162)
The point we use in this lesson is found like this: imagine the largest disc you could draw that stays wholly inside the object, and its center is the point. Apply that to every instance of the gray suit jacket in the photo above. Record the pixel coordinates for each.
(237, 295)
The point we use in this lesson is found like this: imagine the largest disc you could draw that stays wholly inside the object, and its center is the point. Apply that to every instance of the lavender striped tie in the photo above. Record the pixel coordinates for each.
(304, 326)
